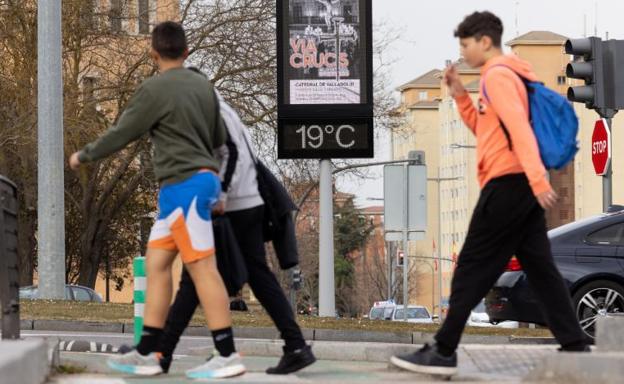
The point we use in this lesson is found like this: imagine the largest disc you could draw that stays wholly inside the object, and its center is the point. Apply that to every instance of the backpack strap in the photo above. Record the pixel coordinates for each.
(485, 94)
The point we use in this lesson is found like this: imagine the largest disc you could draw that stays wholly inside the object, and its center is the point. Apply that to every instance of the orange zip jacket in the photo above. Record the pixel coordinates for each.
(508, 102)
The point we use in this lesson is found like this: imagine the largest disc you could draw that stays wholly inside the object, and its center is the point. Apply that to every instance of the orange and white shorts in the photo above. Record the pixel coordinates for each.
(184, 222)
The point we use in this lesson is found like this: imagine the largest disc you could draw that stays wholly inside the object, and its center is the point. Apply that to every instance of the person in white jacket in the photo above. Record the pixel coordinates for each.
(241, 202)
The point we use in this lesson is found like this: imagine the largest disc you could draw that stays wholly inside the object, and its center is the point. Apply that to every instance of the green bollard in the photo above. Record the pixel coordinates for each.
(140, 283)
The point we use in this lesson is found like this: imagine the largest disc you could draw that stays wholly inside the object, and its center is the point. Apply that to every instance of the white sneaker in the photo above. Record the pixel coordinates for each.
(136, 364)
(218, 367)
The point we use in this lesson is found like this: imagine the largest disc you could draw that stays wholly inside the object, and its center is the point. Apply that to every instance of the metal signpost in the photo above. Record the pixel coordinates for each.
(325, 100)
(405, 208)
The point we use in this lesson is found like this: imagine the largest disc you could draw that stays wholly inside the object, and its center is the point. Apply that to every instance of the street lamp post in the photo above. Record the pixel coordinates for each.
(439, 180)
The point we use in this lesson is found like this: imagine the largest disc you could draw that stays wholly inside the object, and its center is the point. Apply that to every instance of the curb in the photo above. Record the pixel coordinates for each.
(272, 333)
(86, 346)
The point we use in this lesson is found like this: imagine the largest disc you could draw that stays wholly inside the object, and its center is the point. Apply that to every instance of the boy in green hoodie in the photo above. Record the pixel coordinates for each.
(179, 110)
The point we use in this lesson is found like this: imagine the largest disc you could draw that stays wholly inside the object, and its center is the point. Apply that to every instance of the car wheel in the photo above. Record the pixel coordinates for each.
(597, 299)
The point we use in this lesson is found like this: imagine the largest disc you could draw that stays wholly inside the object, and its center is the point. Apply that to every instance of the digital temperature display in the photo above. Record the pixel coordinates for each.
(325, 138)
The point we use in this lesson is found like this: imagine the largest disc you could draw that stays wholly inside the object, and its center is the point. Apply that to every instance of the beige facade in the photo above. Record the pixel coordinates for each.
(588, 189)
(450, 154)
(420, 103)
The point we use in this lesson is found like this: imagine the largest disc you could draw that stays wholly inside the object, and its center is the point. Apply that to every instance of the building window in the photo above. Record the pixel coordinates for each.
(115, 15)
(563, 192)
(143, 16)
(87, 13)
(561, 80)
(424, 95)
(88, 89)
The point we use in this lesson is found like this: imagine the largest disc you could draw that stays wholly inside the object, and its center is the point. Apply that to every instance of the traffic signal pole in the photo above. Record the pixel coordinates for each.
(607, 178)
(604, 87)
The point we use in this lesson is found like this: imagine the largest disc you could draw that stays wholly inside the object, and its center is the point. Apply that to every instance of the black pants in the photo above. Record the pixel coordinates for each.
(247, 226)
(508, 221)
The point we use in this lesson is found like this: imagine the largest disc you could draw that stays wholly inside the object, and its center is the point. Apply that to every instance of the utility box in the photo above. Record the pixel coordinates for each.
(9, 273)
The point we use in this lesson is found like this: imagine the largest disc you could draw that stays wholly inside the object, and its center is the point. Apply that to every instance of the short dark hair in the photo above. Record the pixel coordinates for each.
(169, 40)
(481, 24)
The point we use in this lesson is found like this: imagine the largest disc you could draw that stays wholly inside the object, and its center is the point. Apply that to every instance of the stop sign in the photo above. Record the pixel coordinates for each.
(601, 147)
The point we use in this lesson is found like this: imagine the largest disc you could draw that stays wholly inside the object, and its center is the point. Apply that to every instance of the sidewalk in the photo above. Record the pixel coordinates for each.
(477, 364)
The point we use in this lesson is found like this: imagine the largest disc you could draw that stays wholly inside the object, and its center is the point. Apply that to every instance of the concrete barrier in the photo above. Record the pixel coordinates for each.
(610, 333)
(24, 361)
(580, 368)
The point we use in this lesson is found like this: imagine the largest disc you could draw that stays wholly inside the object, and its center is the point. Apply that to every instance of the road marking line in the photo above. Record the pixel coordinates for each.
(70, 345)
(92, 346)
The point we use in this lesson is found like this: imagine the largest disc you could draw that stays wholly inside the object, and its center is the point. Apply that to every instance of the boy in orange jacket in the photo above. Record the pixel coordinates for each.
(509, 217)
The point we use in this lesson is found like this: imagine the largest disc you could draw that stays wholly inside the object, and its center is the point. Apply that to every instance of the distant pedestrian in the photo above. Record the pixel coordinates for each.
(509, 217)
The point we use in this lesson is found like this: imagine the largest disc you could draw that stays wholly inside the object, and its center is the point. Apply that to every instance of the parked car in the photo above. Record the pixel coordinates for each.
(382, 310)
(415, 314)
(479, 318)
(589, 253)
(72, 292)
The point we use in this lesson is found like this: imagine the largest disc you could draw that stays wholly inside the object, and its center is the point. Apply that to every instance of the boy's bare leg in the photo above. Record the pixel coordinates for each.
(211, 291)
(159, 286)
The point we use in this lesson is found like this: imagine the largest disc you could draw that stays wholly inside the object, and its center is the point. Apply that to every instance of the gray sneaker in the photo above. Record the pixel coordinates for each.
(218, 367)
(136, 364)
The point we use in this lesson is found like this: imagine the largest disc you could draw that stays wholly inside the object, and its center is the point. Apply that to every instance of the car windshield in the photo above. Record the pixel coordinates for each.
(376, 313)
(412, 313)
(480, 308)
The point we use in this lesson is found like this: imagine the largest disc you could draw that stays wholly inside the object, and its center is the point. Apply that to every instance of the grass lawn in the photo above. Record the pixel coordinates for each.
(112, 312)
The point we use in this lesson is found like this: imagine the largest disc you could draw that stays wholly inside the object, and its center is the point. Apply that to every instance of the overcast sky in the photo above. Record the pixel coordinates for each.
(428, 41)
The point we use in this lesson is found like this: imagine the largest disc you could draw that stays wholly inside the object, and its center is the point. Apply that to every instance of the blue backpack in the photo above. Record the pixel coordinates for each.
(554, 123)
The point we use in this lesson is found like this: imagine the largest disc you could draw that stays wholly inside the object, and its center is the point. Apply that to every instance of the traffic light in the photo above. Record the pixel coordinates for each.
(613, 52)
(400, 258)
(590, 69)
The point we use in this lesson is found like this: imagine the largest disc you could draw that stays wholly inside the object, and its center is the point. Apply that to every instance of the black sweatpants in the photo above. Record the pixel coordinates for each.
(508, 221)
(247, 226)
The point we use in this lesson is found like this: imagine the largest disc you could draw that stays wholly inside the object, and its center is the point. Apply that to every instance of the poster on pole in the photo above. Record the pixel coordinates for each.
(324, 79)
(323, 52)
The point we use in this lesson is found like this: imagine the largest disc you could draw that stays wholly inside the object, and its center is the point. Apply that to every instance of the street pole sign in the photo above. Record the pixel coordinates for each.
(601, 147)
(325, 100)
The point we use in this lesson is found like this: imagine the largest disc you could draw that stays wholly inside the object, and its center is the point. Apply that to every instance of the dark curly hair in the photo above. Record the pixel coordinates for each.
(481, 24)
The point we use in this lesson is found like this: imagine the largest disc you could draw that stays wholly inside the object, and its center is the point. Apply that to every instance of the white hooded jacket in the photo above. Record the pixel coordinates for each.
(238, 169)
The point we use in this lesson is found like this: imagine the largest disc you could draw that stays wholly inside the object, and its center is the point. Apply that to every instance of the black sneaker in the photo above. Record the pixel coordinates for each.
(165, 361)
(427, 360)
(293, 361)
(579, 348)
